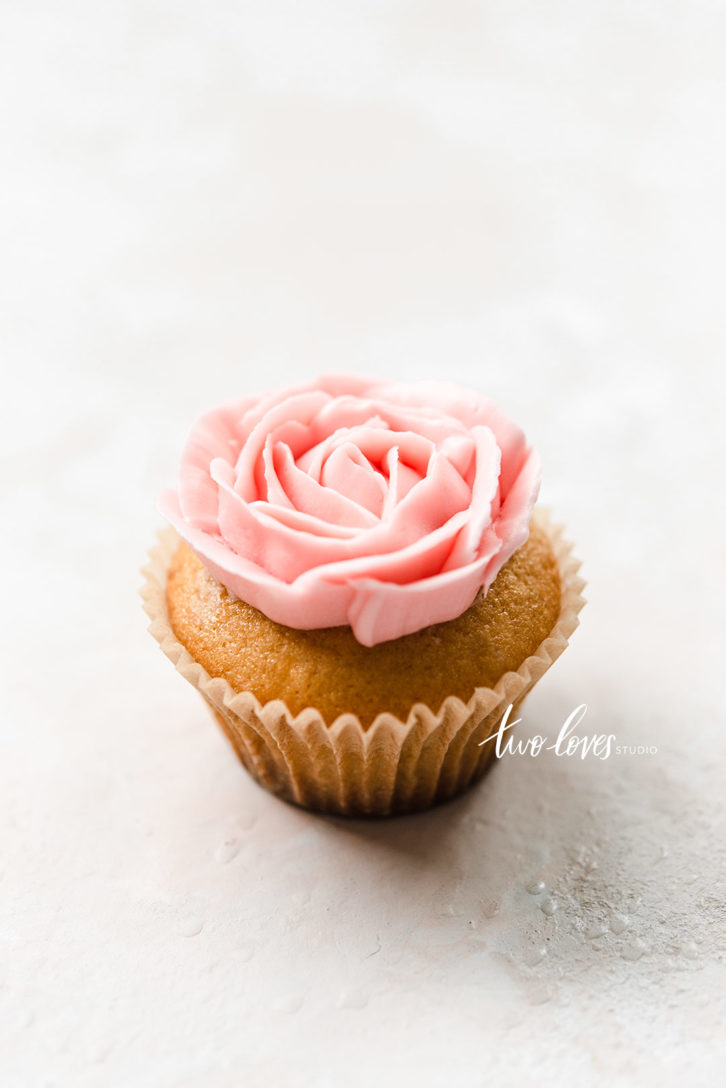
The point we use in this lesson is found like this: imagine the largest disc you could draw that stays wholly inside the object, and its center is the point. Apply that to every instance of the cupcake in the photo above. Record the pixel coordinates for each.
(358, 584)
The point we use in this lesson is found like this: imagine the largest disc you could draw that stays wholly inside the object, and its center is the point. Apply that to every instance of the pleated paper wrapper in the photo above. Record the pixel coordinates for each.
(392, 767)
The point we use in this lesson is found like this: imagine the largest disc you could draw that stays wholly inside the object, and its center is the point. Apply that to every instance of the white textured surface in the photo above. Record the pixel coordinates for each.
(200, 199)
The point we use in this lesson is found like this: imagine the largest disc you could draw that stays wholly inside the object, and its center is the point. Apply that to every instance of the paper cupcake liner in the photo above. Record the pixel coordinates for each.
(393, 766)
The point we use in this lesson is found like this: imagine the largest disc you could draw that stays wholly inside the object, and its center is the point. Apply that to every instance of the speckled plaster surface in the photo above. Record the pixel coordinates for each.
(202, 200)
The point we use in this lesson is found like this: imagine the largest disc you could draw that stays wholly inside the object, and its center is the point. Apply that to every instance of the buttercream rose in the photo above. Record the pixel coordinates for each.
(384, 506)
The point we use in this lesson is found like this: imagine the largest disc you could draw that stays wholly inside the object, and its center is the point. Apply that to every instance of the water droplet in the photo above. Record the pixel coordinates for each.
(689, 950)
(245, 820)
(597, 929)
(633, 950)
(289, 1004)
(619, 922)
(539, 994)
(190, 925)
(537, 887)
(548, 906)
(353, 998)
(226, 851)
(534, 956)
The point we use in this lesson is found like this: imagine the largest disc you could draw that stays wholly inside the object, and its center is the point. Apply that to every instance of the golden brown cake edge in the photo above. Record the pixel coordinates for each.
(328, 669)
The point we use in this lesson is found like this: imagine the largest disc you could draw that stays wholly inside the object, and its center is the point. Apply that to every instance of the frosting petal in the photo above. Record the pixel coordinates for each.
(383, 506)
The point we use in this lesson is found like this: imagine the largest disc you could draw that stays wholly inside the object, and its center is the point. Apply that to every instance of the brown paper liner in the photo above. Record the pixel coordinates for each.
(392, 767)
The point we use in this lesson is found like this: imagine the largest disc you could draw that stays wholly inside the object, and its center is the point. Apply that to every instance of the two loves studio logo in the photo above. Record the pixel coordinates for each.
(567, 743)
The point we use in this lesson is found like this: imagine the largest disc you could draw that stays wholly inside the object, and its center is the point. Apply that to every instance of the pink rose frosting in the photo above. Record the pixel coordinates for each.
(383, 506)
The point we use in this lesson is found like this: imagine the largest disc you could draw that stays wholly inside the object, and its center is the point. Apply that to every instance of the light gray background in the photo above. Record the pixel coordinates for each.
(199, 200)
